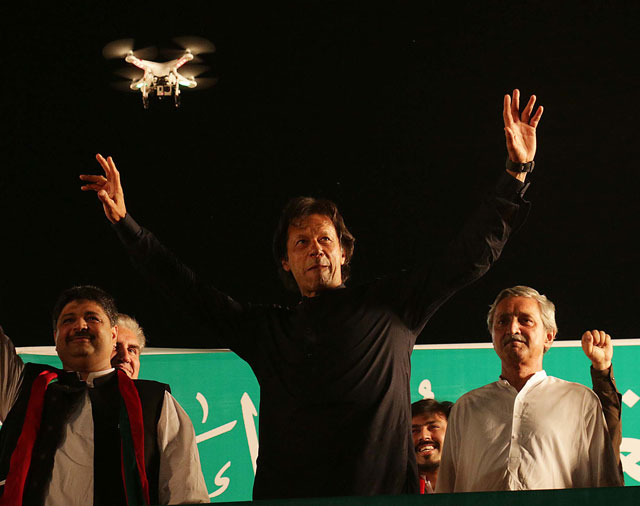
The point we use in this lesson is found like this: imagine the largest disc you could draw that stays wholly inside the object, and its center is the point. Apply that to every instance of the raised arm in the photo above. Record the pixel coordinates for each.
(423, 289)
(598, 347)
(108, 189)
(520, 131)
(177, 282)
(11, 367)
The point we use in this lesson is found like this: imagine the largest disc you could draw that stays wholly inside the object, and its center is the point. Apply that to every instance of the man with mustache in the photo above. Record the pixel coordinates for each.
(527, 430)
(429, 417)
(335, 366)
(131, 342)
(87, 434)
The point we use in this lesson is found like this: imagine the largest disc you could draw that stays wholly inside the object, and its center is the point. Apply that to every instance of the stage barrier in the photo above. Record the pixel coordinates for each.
(584, 497)
(221, 395)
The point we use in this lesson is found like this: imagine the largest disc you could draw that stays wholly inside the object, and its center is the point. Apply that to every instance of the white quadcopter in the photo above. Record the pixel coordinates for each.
(162, 79)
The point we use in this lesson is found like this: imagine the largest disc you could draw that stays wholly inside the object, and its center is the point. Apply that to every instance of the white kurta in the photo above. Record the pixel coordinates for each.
(550, 435)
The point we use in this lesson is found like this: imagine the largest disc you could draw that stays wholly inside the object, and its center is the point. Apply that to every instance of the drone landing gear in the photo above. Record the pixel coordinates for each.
(145, 102)
(176, 100)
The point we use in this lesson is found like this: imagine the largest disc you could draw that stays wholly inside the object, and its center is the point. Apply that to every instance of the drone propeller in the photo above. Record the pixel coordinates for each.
(191, 70)
(197, 45)
(132, 73)
(121, 48)
(205, 82)
(122, 86)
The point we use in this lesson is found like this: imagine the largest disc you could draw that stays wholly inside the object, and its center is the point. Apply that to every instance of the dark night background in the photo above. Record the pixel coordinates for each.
(392, 109)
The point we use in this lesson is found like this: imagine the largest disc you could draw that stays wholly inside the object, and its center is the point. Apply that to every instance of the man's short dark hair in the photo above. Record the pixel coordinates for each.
(431, 406)
(86, 292)
(297, 209)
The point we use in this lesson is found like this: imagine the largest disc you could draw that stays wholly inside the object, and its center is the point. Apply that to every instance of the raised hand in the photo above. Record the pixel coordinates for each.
(597, 346)
(520, 129)
(108, 188)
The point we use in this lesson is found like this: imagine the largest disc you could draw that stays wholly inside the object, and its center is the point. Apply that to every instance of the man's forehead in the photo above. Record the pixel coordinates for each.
(311, 222)
(424, 418)
(517, 305)
(82, 306)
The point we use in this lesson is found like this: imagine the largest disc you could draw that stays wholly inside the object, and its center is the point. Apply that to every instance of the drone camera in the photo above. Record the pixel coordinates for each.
(164, 90)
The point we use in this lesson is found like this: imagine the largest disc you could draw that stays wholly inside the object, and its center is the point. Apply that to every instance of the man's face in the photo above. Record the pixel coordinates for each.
(518, 334)
(127, 353)
(314, 255)
(428, 432)
(84, 337)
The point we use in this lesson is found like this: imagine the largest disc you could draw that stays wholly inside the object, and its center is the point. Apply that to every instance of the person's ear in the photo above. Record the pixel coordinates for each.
(550, 336)
(114, 336)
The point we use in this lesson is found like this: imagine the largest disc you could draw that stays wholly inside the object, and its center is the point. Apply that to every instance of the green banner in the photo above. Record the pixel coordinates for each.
(221, 395)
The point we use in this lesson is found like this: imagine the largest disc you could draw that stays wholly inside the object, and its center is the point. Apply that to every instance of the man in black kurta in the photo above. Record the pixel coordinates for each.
(334, 370)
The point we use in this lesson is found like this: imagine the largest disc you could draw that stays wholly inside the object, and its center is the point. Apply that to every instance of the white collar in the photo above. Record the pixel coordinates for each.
(93, 375)
(531, 382)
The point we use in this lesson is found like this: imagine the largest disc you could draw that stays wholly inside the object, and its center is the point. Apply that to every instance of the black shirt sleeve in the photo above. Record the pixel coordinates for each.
(180, 285)
(604, 385)
(417, 293)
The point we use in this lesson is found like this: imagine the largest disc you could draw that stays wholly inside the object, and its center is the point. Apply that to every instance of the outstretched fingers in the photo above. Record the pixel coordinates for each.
(536, 117)
(108, 188)
(114, 172)
(526, 113)
(506, 111)
(95, 183)
(104, 164)
(511, 110)
(515, 105)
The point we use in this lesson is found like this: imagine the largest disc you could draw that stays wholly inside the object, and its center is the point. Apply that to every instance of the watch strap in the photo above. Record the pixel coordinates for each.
(519, 167)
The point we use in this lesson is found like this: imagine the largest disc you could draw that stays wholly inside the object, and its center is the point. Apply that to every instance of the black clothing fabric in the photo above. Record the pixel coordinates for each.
(604, 385)
(61, 400)
(334, 370)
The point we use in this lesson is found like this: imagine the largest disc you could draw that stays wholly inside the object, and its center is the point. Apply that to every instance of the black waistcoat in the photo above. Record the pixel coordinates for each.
(61, 399)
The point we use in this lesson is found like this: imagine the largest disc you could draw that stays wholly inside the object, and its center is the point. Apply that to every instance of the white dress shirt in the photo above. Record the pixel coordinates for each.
(550, 435)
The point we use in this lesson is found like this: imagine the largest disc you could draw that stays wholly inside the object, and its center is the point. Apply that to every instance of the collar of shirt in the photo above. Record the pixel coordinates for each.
(531, 382)
(328, 291)
(92, 376)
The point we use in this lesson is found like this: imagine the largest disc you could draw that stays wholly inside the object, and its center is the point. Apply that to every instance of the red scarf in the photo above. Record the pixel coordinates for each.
(132, 442)
(132, 450)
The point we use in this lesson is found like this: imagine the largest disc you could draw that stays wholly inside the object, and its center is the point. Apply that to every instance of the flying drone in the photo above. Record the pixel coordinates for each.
(162, 79)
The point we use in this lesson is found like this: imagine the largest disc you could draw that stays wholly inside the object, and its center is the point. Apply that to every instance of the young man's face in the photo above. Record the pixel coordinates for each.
(428, 431)
(84, 337)
(127, 352)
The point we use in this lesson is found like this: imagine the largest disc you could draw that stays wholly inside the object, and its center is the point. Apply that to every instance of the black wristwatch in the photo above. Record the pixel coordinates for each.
(519, 167)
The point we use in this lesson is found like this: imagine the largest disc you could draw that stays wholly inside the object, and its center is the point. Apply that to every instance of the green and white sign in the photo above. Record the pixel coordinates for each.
(221, 395)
